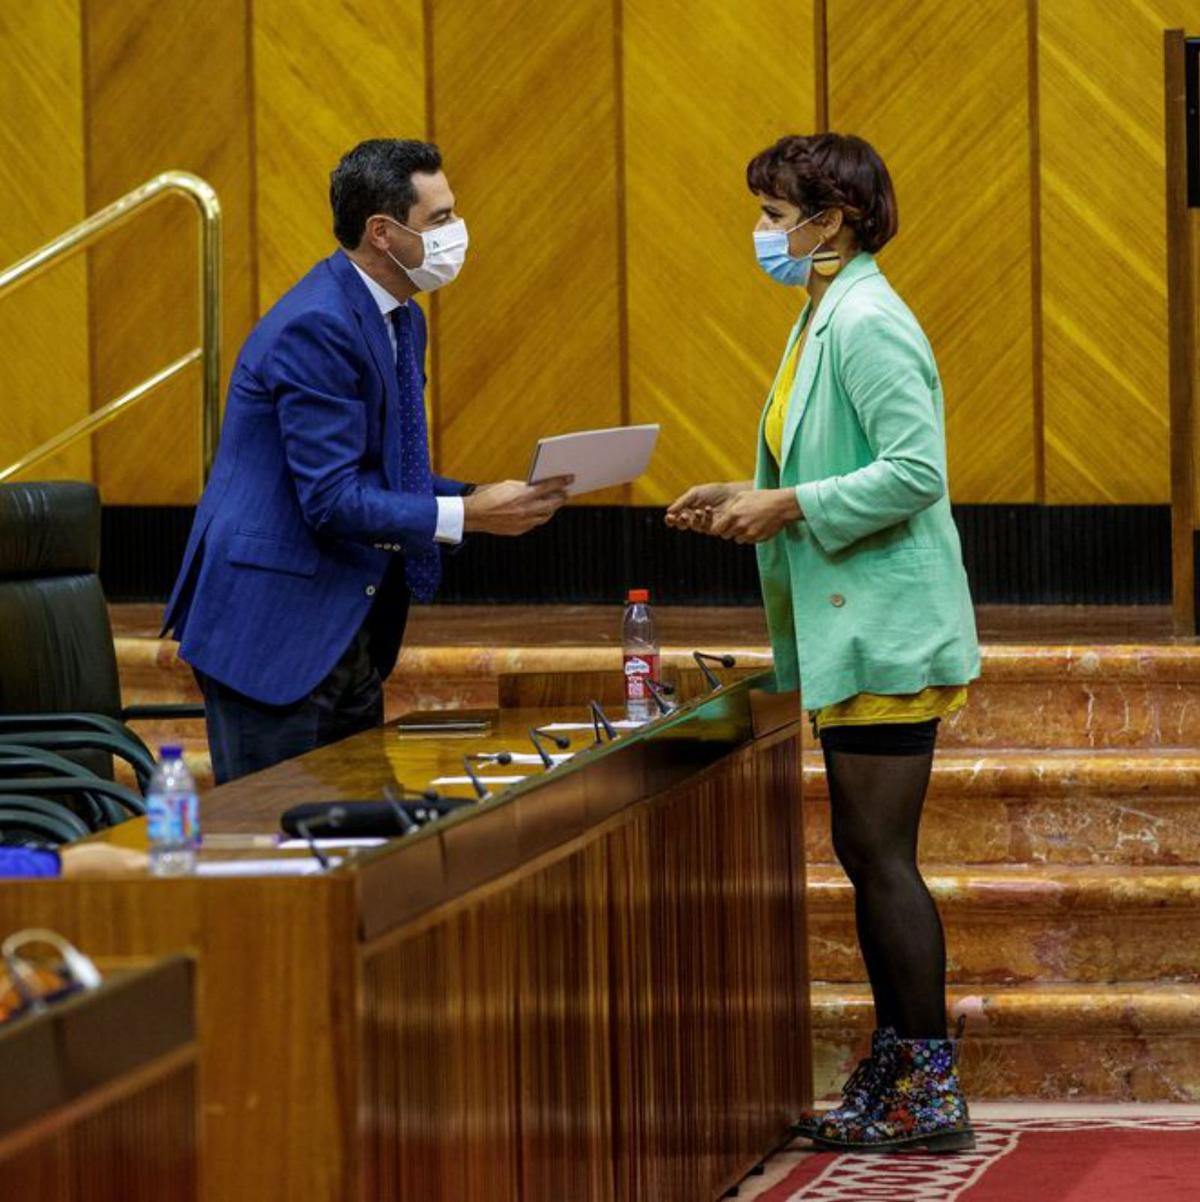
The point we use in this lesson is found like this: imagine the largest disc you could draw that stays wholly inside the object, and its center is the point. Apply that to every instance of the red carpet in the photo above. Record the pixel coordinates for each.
(1019, 1160)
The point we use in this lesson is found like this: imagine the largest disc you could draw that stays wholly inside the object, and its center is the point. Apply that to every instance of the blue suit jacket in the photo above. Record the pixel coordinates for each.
(303, 511)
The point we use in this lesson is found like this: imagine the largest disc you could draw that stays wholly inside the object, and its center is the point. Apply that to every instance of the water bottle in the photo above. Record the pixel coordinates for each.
(173, 815)
(641, 655)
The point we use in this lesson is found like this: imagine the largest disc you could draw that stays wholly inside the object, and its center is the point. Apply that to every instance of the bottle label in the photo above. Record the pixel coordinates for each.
(637, 668)
(173, 818)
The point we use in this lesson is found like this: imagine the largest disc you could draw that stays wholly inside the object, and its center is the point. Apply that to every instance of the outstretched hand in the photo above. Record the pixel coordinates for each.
(512, 507)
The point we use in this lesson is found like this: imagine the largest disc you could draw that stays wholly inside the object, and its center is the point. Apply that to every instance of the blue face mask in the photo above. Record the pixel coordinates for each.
(771, 249)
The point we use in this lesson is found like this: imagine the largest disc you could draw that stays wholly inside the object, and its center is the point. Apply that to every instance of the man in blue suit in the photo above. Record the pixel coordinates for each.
(322, 517)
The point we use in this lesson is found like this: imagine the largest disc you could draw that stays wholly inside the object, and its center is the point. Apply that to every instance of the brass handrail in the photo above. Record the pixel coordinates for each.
(91, 230)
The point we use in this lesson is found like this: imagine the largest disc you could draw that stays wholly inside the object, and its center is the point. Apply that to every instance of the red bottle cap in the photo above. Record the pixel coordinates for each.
(637, 595)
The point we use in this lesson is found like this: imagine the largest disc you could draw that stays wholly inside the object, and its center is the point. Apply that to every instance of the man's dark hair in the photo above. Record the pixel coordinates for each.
(376, 177)
(831, 171)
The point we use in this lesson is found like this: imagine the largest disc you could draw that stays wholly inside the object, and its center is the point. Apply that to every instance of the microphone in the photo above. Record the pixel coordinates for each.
(484, 757)
(725, 660)
(600, 720)
(426, 806)
(536, 735)
(357, 820)
(332, 818)
(660, 692)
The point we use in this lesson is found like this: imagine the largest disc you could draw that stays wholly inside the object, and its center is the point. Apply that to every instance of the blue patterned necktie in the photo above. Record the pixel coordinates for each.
(422, 569)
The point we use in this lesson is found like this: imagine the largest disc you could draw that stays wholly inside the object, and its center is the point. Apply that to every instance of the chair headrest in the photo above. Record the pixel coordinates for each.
(49, 529)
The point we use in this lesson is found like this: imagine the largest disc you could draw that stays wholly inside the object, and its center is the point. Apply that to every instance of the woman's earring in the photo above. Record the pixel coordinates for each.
(827, 263)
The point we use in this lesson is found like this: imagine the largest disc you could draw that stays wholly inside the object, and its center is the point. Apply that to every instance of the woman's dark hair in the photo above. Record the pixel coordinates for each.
(831, 171)
(376, 177)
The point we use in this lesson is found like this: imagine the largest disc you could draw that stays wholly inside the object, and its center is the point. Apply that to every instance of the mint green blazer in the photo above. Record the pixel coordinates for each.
(867, 593)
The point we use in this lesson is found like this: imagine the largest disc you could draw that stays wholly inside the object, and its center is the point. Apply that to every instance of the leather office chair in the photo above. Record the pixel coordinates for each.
(59, 688)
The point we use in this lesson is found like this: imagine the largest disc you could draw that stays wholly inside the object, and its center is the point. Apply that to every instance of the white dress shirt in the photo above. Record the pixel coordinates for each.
(450, 511)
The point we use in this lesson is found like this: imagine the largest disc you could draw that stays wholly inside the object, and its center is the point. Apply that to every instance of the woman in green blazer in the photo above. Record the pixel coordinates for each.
(867, 601)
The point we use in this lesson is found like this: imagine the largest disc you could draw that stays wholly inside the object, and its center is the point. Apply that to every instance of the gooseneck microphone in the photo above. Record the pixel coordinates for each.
(331, 819)
(483, 757)
(660, 692)
(536, 735)
(371, 819)
(725, 660)
(599, 719)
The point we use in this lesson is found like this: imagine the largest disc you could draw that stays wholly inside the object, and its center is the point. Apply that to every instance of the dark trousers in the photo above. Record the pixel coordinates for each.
(245, 735)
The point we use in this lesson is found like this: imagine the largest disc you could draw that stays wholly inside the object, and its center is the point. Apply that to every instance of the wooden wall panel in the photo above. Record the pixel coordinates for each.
(706, 86)
(528, 339)
(43, 326)
(327, 74)
(944, 99)
(1104, 261)
(167, 87)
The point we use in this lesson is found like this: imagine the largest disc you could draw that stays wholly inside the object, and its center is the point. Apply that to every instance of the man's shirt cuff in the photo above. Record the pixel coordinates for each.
(450, 518)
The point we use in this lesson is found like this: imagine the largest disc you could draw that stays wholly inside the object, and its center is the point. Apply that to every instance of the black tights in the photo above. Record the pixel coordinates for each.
(878, 776)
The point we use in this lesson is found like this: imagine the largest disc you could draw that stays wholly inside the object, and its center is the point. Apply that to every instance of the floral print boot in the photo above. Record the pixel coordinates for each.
(922, 1106)
(860, 1088)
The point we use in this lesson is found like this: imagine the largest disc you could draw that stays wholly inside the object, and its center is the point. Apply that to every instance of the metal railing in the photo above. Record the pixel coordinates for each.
(91, 230)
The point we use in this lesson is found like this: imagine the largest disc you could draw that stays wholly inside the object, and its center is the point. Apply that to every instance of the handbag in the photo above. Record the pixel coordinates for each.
(28, 986)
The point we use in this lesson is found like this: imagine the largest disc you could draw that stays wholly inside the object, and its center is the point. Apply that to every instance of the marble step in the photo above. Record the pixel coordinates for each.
(1130, 1041)
(1144, 695)
(1137, 806)
(1043, 923)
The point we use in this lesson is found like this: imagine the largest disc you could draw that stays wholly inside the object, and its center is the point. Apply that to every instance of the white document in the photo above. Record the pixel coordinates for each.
(616, 723)
(596, 458)
(282, 866)
(331, 844)
(466, 780)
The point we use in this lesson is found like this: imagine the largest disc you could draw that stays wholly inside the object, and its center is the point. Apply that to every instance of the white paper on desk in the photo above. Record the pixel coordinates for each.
(282, 866)
(330, 844)
(616, 724)
(466, 780)
(596, 458)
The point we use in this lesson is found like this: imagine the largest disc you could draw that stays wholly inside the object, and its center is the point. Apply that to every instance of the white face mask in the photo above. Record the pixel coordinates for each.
(445, 251)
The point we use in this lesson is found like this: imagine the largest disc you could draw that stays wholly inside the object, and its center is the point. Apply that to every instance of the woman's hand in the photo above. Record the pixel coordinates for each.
(756, 515)
(694, 510)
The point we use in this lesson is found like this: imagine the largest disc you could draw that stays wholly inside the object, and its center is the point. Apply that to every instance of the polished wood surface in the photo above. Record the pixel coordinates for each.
(100, 1099)
(1181, 338)
(327, 73)
(597, 150)
(1102, 160)
(484, 1009)
(706, 326)
(43, 326)
(527, 342)
(947, 108)
(708, 628)
(167, 87)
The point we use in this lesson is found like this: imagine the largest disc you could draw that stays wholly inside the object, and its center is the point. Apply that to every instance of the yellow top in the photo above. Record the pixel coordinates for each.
(937, 701)
(777, 402)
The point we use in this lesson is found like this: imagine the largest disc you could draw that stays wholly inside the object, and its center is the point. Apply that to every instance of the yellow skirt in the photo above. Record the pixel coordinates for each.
(866, 709)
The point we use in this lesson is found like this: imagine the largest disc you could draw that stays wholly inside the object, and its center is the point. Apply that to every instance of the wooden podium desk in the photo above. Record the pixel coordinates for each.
(98, 1097)
(592, 988)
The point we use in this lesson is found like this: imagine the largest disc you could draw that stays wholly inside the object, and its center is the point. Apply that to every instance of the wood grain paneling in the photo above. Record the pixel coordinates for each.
(43, 326)
(528, 338)
(167, 87)
(327, 74)
(623, 1023)
(1104, 259)
(707, 85)
(944, 99)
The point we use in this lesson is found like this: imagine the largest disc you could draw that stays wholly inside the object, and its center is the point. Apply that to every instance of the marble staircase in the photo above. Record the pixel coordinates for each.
(1061, 839)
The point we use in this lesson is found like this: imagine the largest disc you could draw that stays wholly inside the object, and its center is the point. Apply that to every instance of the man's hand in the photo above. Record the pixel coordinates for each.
(756, 516)
(512, 507)
(694, 510)
(100, 859)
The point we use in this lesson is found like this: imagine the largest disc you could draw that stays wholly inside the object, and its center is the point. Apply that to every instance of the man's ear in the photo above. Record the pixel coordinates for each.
(375, 232)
